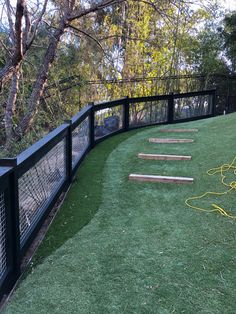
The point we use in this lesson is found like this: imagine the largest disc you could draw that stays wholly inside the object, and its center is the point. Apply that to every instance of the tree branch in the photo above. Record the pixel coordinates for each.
(10, 108)
(36, 24)
(40, 82)
(14, 62)
(20, 7)
(27, 27)
(94, 8)
(88, 35)
(126, 37)
(10, 21)
(5, 47)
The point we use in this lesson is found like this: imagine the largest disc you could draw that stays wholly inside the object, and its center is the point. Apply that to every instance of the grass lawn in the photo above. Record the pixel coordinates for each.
(141, 249)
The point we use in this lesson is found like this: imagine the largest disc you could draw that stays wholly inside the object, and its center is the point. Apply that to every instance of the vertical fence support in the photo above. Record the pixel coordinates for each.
(170, 108)
(214, 100)
(126, 114)
(14, 253)
(69, 152)
(14, 192)
(91, 125)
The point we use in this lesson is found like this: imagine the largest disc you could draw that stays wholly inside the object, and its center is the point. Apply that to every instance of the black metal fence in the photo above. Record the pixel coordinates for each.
(31, 183)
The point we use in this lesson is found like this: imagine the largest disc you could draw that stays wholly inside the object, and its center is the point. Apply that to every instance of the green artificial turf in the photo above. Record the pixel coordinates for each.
(82, 201)
(144, 251)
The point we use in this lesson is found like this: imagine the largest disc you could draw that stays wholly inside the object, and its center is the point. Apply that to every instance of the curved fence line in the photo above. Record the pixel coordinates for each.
(31, 183)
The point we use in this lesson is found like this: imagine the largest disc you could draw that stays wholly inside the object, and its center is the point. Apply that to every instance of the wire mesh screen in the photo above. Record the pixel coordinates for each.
(80, 140)
(191, 107)
(148, 112)
(38, 184)
(3, 254)
(108, 120)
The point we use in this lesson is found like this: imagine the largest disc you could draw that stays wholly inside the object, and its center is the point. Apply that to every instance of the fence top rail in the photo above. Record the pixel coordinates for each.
(166, 97)
(4, 171)
(32, 154)
(78, 117)
(148, 98)
(198, 93)
(8, 162)
(109, 104)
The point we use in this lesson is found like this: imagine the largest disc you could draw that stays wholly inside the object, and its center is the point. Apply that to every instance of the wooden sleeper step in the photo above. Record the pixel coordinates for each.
(178, 130)
(162, 179)
(170, 140)
(163, 157)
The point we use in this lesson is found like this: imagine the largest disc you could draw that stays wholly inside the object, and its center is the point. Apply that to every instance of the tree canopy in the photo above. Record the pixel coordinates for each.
(57, 55)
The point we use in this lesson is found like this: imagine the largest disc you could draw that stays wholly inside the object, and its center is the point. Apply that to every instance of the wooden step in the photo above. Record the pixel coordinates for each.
(162, 179)
(163, 157)
(170, 140)
(178, 130)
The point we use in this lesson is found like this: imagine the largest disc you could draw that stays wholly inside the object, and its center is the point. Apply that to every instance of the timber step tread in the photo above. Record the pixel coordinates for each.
(161, 179)
(163, 157)
(170, 140)
(178, 130)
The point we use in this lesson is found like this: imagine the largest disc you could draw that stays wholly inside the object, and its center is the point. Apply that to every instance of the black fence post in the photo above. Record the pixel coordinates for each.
(14, 255)
(214, 100)
(69, 152)
(126, 114)
(91, 125)
(16, 221)
(170, 114)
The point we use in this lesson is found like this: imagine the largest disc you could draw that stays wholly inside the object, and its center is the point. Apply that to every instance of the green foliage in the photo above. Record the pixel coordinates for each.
(229, 34)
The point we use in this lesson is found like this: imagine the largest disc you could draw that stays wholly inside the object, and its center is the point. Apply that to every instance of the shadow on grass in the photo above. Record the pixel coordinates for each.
(82, 200)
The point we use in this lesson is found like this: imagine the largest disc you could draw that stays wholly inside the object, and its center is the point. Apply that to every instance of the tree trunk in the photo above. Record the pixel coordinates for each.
(39, 85)
(12, 66)
(10, 109)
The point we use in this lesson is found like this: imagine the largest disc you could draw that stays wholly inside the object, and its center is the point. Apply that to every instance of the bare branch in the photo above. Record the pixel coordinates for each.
(14, 62)
(69, 5)
(94, 8)
(10, 21)
(41, 80)
(27, 27)
(157, 9)
(95, 40)
(36, 24)
(72, 4)
(145, 40)
(88, 35)
(10, 108)
(5, 47)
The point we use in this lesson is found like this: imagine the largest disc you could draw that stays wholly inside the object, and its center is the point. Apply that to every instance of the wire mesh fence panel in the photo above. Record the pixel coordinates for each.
(37, 186)
(3, 253)
(148, 113)
(107, 121)
(80, 140)
(191, 107)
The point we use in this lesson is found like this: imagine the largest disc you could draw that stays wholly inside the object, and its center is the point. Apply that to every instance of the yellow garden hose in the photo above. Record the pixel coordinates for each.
(231, 186)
